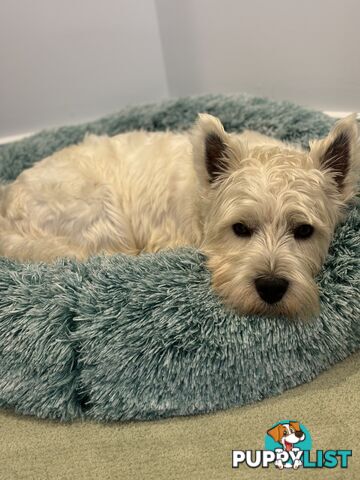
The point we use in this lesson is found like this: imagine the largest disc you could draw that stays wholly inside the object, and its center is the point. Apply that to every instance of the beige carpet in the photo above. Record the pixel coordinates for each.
(187, 448)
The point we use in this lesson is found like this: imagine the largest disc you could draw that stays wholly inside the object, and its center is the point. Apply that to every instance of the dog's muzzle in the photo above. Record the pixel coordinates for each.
(271, 289)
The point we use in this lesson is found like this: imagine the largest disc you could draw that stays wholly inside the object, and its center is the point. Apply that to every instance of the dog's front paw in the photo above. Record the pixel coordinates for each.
(297, 464)
(279, 464)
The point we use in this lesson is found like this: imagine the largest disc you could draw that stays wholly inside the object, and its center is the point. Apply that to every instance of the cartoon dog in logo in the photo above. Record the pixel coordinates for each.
(287, 434)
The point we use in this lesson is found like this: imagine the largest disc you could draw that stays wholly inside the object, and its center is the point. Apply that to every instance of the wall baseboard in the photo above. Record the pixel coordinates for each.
(14, 138)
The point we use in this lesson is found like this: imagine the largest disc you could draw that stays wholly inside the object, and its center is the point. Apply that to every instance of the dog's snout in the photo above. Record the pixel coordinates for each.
(271, 289)
(299, 434)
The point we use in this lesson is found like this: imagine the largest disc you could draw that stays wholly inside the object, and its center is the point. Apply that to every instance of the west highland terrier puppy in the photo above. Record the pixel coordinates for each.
(262, 211)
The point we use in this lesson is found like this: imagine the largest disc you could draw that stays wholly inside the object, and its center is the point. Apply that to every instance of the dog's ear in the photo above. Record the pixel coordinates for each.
(295, 425)
(277, 432)
(212, 148)
(338, 155)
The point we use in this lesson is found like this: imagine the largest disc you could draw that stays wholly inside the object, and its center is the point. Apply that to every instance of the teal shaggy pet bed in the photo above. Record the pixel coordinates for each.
(144, 337)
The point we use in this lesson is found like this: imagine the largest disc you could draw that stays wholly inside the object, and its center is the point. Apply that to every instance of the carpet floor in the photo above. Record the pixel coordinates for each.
(191, 448)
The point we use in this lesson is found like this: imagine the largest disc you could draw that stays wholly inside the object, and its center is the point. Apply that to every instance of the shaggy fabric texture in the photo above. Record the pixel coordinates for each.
(190, 448)
(145, 337)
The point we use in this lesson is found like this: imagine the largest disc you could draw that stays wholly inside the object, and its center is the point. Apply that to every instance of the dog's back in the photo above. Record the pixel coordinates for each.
(130, 193)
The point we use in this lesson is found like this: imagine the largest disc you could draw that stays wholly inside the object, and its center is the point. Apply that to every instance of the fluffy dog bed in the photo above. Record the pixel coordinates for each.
(124, 337)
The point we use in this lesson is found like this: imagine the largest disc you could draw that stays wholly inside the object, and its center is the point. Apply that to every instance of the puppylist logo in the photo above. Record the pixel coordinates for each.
(288, 445)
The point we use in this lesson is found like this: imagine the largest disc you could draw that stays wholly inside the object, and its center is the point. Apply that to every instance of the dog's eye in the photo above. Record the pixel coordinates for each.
(241, 230)
(301, 232)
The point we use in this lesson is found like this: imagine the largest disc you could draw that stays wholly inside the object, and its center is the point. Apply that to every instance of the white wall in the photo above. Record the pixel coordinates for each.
(63, 61)
(301, 50)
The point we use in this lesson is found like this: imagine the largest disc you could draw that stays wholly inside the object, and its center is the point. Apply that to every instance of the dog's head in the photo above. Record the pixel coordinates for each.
(269, 213)
(287, 434)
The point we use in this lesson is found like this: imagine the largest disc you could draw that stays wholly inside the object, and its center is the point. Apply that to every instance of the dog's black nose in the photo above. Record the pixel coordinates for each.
(271, 289)
(299, 434)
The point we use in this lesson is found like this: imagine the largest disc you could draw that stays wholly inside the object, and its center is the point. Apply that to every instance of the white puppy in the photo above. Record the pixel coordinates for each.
(262, 211)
